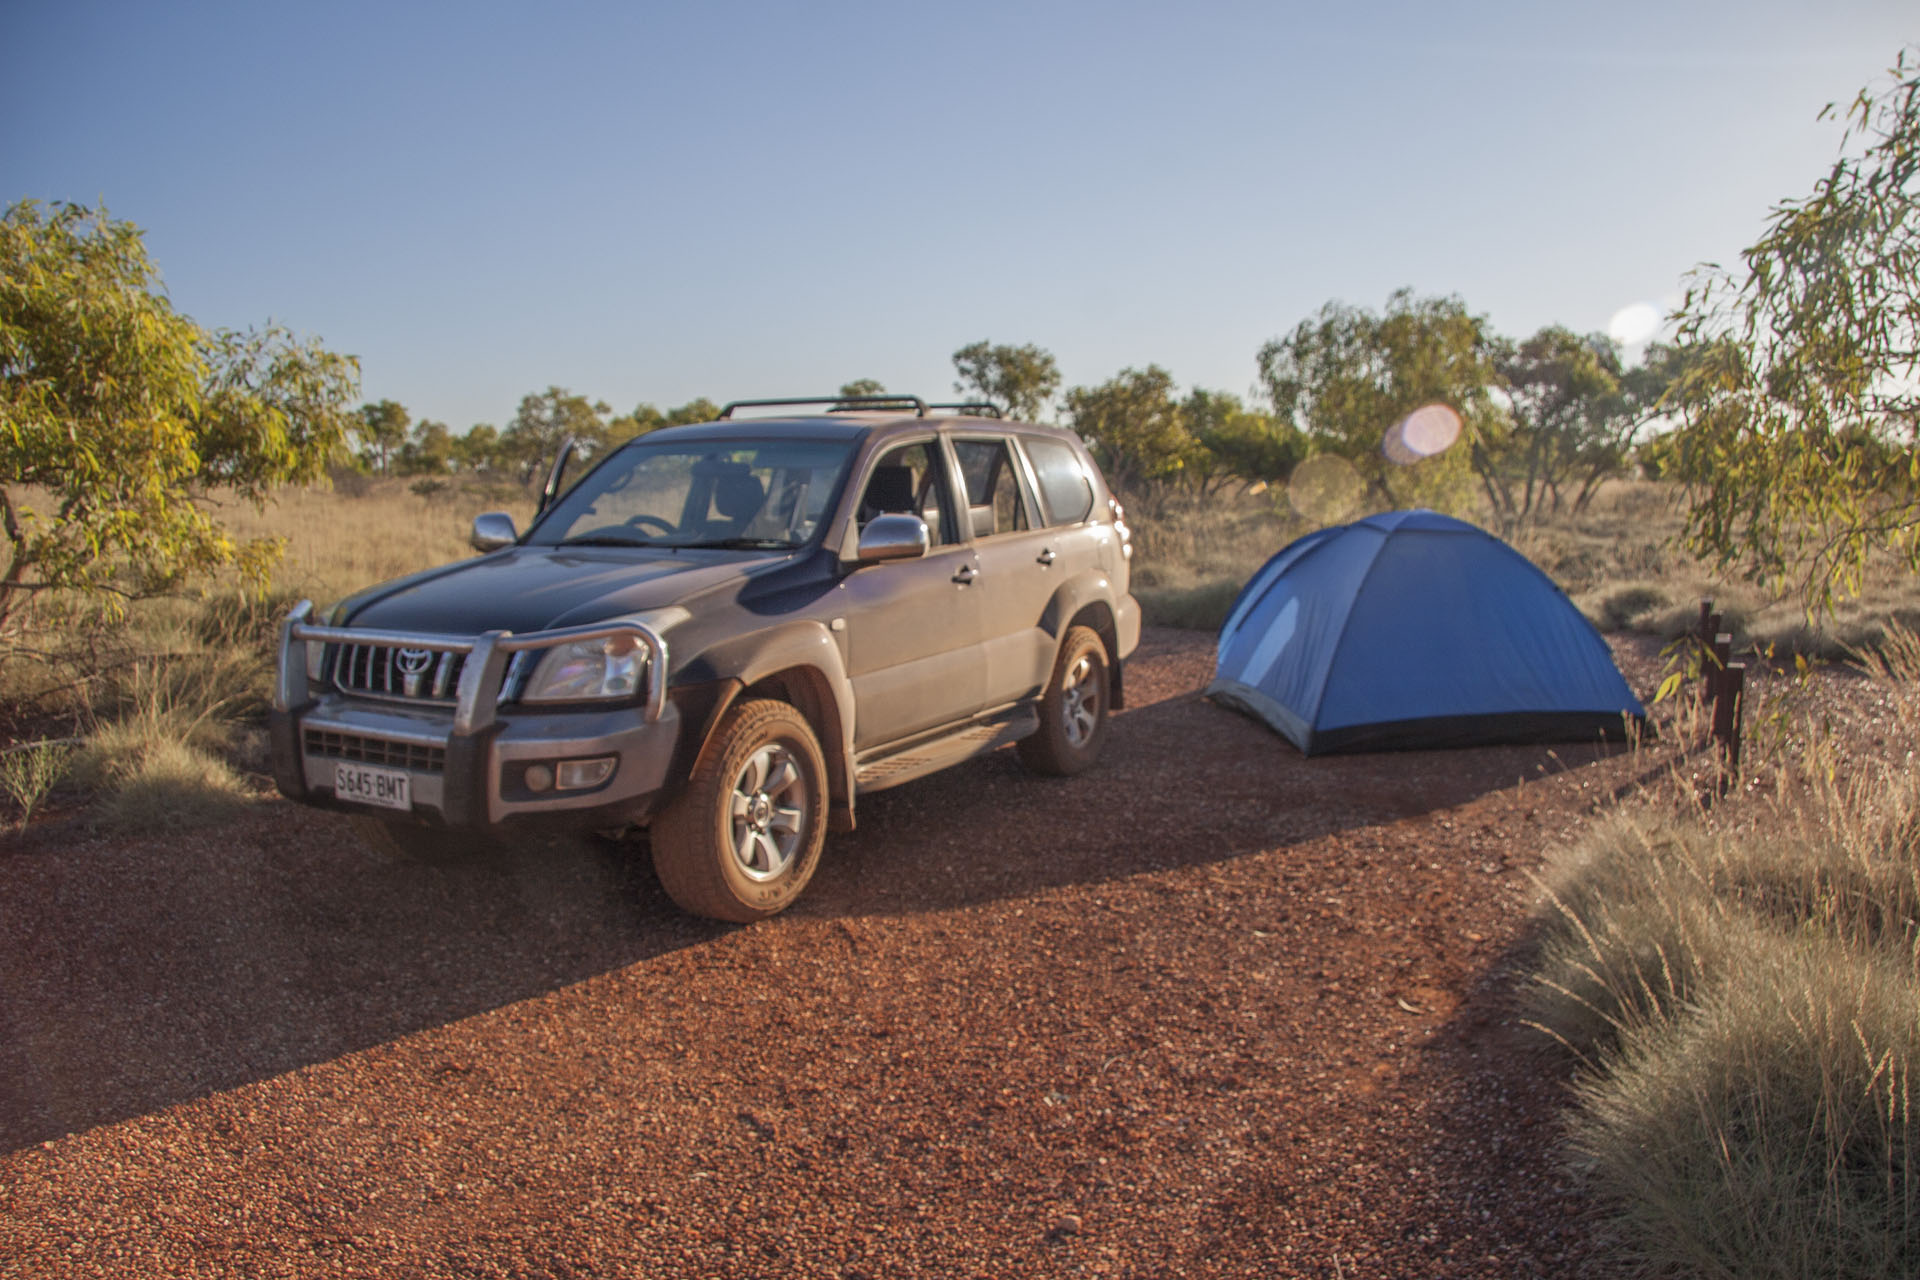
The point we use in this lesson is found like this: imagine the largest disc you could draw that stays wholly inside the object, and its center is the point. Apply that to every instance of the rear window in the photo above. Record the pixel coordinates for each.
(1064, 487)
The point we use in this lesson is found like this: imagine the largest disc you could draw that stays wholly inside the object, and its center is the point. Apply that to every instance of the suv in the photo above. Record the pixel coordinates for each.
(727, 632)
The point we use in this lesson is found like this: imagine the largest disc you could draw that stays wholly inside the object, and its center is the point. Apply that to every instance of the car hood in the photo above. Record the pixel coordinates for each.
(535, 588)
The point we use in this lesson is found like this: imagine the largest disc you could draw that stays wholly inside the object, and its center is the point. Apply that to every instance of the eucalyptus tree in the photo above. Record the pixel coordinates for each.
(1021, 380)
(1570, 424)
(120, 417)
(1800, 403)
(382, 433)
(1136, 428)
(543, 423)
(1236, 443)
(1344, 377)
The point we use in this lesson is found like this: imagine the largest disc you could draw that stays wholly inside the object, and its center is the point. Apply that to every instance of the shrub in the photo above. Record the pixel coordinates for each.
(1620, 608)
(168, 785)
(1741, 987)
(243, 619)
(157, 760)
(1629, 929)
(28, 773)
(1772, 1132)
(1200, 608)
(1640, 912)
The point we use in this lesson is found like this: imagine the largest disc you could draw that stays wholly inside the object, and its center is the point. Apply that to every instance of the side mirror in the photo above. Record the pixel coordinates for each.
(492, 531)
(893, 537)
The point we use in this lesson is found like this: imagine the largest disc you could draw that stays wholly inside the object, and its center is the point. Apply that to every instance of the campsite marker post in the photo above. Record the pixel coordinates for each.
(1713, 658)
(1726, 718)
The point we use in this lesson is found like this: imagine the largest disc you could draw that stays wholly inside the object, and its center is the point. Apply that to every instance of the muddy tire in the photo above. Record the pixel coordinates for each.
(1073, 710)
(743, 837)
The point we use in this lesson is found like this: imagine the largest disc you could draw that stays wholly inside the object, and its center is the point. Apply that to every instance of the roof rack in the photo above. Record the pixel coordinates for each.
(839, 403)
(978, 408)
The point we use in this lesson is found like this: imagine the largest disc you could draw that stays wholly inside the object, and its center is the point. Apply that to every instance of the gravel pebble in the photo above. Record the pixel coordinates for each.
(1210, 1010)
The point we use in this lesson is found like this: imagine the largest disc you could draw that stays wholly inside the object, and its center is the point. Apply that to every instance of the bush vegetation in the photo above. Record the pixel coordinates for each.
(166, 694)
(82, 669)
(1619, 558)
(1740, 987)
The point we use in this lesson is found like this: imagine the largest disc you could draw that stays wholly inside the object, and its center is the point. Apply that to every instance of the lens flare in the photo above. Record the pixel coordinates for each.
(1428, 430)
(1325, 488)
(1634, 324)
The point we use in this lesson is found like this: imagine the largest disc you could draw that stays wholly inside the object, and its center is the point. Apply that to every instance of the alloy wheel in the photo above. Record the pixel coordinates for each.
(768, 812)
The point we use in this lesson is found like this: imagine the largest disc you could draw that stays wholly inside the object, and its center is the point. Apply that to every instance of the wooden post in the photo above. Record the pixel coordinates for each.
(1705, 630)
(1713, 666)
(1726, 715)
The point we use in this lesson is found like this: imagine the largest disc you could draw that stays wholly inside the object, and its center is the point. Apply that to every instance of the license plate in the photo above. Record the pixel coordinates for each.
(366, 784)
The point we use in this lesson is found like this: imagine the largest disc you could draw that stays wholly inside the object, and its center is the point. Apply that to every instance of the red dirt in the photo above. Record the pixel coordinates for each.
(1212, 1010)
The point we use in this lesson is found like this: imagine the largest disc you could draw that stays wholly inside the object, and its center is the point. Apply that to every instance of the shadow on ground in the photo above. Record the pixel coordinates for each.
(1182, 783)
(148, 972)
(142, 973)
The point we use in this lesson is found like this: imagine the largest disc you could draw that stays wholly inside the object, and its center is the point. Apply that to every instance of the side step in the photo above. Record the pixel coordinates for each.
(930, 755)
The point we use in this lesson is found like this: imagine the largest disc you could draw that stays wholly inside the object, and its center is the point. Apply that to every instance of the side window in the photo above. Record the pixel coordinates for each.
(994, 501)
(1064, 488)
(910, 480)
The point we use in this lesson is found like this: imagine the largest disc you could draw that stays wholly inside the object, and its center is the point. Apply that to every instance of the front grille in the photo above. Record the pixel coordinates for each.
(383, 751)
(391, 671)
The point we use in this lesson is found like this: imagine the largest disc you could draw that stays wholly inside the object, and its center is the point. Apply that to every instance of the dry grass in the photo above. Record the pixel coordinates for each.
(31, 771)
(1621, 563)
(1192, 555)
(339, 540)
(165, 695)
(165, 785)
(1771, 1132)
(1741, 987)
(159, 753)
(1618, 560)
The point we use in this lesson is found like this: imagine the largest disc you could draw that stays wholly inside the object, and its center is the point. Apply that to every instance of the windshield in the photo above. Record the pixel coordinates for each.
(751, 494)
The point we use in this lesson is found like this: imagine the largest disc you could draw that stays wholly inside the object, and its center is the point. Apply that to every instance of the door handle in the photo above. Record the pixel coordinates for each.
(1045, 557)
(965, 574)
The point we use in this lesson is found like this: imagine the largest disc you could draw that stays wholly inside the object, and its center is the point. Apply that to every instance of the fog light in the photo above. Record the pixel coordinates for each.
(539, 777)
(578, 775)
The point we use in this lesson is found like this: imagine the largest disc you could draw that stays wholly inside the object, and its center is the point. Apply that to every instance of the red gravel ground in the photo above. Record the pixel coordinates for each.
(1212, 1010)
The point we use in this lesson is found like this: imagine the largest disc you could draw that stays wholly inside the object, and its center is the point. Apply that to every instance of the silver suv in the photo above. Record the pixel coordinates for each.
(726, 632)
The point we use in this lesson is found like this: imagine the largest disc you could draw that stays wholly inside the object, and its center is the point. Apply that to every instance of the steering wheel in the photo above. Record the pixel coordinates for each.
(655, 522)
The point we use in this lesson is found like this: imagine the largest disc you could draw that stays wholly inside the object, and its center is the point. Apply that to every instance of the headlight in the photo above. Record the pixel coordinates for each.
(611, 667)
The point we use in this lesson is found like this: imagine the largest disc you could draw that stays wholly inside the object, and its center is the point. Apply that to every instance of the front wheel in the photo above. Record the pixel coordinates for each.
(743, 837)
(1073, 710)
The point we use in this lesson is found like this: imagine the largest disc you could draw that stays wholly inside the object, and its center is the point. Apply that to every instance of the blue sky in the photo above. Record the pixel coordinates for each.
(655, 202)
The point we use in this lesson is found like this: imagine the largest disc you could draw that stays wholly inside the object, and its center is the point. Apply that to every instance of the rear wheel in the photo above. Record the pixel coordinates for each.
(429, 846)
(1073, 710)
(743, 837)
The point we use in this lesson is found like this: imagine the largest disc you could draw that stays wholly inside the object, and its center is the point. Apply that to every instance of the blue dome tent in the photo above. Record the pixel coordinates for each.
(1412, 629)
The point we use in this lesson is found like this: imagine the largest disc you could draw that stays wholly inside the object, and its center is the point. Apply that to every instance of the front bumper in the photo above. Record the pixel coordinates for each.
(466, 763)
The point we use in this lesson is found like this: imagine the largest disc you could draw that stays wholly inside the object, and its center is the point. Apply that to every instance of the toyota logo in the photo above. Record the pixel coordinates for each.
(413, 661)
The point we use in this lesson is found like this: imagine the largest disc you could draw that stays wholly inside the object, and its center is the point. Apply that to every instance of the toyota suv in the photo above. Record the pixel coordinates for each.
(727, 633)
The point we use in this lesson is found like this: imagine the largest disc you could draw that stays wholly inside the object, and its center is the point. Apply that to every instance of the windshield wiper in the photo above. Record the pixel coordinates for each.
(741, 544)
(606, 540)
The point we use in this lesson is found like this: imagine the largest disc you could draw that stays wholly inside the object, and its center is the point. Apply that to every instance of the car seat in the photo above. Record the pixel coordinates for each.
(889, 491)
(737, 496)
